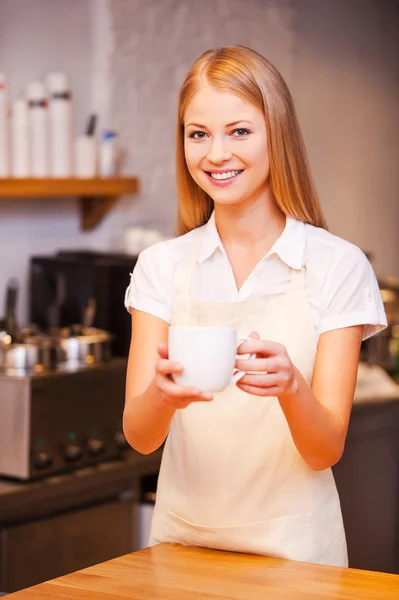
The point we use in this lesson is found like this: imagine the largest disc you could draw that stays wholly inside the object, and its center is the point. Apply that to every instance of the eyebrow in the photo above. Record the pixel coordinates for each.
(228, 124)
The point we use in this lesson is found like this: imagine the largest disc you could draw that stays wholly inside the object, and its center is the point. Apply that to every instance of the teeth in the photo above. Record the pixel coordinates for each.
(226, 175)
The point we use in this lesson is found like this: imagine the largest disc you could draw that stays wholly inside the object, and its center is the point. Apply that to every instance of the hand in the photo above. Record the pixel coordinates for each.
(275, 374)
(173, 394)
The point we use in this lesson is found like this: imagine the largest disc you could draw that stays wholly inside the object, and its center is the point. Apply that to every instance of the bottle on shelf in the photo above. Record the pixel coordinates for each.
(38, 128)
(108, 160)
(4, 128)
(20, 140)
(60, 125)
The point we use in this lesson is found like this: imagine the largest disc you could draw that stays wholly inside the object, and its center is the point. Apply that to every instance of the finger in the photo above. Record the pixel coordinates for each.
(202, 398)
(266, 380)
(270, 365)
(166, 367)
(259, 391)
(180, 403)
(170, 388)
(185, 400)
(264, 347)
(163, 350)
(254, 335)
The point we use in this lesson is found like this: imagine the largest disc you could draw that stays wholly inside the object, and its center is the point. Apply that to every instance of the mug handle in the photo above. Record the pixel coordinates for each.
(240, 374)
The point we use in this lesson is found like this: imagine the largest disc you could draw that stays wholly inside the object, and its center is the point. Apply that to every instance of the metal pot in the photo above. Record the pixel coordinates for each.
(86, 346)
(34, 355)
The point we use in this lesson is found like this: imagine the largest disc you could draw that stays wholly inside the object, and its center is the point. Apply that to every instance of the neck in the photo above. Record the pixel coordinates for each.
(259, 224)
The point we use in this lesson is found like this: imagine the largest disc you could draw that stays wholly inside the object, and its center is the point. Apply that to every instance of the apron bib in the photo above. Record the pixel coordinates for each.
(231, 477)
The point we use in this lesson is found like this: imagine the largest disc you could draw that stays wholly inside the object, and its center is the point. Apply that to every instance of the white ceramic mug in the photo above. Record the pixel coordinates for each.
(207, 354)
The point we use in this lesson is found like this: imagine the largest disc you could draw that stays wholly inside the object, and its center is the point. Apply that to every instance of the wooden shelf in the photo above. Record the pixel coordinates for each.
(96, 196)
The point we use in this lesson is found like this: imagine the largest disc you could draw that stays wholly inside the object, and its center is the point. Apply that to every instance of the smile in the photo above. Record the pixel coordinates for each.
(225, 175)
(223, 179)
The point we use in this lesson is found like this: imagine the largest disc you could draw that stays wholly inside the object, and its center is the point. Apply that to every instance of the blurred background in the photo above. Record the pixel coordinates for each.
(70, 238)
(126, 59)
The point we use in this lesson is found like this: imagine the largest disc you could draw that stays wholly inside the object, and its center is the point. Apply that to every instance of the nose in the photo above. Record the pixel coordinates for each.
(218, 152)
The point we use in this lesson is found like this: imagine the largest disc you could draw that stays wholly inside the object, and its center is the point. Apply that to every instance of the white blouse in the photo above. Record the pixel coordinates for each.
(340, 282)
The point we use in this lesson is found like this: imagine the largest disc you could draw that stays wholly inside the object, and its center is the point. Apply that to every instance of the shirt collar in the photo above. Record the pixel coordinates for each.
(289, 247)
(211, 241)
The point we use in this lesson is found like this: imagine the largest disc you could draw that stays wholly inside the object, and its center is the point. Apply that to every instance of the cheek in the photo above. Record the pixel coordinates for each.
(259, 153)
(193, 160)
(258, 157)
(193, 153)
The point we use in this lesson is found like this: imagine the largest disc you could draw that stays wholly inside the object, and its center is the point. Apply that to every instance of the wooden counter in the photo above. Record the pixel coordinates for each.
(170, 572)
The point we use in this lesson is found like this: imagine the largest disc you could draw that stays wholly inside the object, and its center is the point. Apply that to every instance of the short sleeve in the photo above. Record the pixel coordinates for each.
(149, 289)
(351, 296)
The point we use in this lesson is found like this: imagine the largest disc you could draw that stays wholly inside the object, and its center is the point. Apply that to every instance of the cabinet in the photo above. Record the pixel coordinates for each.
(367, 479)
(44, 549)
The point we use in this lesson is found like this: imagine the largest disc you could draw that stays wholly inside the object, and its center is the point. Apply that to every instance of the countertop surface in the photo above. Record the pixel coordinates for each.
(170, 572)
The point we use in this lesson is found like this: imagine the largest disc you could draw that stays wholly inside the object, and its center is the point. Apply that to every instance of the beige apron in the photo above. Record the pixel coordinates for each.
(231, 477)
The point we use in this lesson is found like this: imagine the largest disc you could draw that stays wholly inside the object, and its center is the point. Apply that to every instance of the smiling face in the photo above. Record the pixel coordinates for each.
(225, 146)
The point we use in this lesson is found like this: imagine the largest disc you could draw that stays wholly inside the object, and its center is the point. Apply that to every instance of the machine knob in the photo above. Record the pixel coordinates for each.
(72, 451)
(42, 460)
(95, 446)
(120, 440)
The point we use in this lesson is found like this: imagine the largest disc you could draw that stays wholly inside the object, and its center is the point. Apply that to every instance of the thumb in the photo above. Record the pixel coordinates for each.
(254, 335)
(163, 350)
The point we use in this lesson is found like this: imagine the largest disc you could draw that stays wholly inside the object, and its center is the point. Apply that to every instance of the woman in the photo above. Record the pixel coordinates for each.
(250, 469)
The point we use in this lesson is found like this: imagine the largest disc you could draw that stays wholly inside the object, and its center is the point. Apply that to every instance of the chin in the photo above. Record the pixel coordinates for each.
(227, 201)
(226, 197)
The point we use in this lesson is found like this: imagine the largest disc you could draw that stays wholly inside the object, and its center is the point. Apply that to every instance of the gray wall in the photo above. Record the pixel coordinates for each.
(346, 83)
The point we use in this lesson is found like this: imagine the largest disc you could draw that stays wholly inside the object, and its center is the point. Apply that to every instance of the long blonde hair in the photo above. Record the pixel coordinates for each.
(253, 78)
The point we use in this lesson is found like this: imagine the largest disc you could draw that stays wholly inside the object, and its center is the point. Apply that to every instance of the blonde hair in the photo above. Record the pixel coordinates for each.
(253, 78)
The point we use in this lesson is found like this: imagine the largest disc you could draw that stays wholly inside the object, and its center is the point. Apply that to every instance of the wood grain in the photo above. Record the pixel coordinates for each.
(170, 572)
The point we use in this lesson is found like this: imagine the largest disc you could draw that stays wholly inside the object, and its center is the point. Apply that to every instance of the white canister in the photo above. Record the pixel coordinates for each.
(85, 156)
(4, 129)
(20, 139)
(38, 128)
(60, 121)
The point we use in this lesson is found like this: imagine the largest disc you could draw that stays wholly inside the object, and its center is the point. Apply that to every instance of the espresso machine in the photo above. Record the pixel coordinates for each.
(62, 284)
(62, 379)
(61, 420)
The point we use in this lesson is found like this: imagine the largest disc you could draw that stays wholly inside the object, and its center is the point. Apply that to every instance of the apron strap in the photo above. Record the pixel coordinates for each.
(189, 265)
(298, 277)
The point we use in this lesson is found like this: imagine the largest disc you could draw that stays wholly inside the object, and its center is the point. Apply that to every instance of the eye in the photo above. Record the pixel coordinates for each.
(241, 132)
(197, 135)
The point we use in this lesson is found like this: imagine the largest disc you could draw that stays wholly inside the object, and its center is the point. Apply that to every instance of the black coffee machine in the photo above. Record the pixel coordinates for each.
(62, 285)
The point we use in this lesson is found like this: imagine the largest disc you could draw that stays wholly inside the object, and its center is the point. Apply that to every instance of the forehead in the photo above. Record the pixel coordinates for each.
(209, 105)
